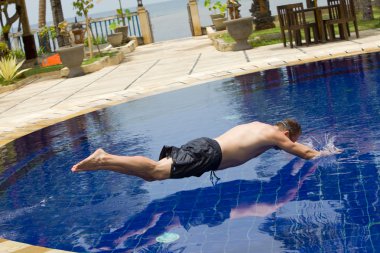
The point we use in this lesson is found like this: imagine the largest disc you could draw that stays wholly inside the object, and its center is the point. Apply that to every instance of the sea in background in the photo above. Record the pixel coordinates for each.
(170, 19)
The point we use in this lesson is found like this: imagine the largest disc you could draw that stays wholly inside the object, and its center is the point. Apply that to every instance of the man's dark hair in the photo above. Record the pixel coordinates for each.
(290, 125)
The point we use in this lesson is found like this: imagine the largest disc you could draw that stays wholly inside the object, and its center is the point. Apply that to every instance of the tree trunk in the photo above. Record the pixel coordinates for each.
(45, 41)
(57, 10)
(367, 10)
(358, 6)
(89, 36)
(41, 13)
(6, 40)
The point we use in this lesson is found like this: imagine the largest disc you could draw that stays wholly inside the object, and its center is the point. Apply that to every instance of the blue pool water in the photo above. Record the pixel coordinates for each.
(274, 203)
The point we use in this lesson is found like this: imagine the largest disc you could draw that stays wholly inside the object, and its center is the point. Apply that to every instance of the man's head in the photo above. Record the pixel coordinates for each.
(291, 128)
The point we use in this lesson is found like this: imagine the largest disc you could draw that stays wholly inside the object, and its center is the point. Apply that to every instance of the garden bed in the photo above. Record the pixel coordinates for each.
(110, 56)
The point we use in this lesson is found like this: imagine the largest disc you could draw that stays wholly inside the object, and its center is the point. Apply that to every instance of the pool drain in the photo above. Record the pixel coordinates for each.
(167, 237)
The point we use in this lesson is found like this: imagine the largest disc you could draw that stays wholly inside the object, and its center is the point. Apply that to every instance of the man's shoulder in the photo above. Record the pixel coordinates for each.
(258, 124)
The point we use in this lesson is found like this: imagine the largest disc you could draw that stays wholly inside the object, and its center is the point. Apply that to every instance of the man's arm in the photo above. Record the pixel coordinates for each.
(295, 148)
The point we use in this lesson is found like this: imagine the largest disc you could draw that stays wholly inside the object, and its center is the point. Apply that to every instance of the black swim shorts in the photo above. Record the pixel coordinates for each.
(194, 158)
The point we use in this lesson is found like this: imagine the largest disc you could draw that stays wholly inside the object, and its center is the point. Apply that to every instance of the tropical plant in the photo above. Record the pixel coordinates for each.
(4, 50)
(18, 53)
(42, 23)
(58, 17)
(215, 7)
(97, 41)
(64, 31)
(46, 30)
(122, 14)
(113, 26)
(41, 51)
(6, 28)
(127, 13)
(45, 33)
(83, 7)
(9, 69)
(9, 20)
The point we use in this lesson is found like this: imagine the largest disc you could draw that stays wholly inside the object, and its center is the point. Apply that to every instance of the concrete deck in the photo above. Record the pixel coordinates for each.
(150, 69)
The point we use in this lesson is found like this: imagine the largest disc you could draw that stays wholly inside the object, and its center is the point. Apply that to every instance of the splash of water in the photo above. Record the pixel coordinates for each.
(326, 146)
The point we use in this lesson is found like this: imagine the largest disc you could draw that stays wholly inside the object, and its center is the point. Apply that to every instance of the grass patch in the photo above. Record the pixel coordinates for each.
(41, 70)
(256, 41)
(264, 42)
(98, 57)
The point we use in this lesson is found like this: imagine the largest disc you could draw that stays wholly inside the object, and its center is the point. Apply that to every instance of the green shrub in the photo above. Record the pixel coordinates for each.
(46, 30)
(18, 53)
(96, 41)
(4, 50)
(114, 25)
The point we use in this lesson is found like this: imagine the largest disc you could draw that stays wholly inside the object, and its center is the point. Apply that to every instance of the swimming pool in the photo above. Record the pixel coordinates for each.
(274, 203)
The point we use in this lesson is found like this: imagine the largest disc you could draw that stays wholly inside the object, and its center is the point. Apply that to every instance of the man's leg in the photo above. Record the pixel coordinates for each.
(139, 166)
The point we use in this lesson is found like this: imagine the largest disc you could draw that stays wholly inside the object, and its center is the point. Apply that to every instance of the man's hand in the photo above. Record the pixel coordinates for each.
(330, 151)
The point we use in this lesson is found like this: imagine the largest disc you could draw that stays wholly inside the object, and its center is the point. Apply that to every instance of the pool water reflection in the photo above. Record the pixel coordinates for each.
(274, 203)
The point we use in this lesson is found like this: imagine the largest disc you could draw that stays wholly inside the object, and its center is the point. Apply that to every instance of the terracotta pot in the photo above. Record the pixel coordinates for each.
(115, 39)
(240, 29)
(124, 31)
(72, 58)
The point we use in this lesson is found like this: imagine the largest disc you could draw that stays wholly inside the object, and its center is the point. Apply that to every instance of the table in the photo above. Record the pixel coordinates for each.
(319, 21)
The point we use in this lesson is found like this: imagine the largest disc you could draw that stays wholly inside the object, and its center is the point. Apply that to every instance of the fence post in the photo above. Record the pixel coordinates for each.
(194, 13)
(146, 28)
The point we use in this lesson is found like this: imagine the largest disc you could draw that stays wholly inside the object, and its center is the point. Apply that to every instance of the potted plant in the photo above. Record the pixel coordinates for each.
(240, 29)
(47, 32)
(71, 56)
(115, 39)
(218, 15)
(78, 31)
(124, 27)
(83, 7)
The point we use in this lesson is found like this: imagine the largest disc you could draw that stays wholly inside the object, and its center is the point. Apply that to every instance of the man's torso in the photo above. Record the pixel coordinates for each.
(244, 142)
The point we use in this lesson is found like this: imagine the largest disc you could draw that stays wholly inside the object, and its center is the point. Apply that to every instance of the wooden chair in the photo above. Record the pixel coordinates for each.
(292, 19)
(350, 13)
(283, 20)
(297, 22)
(336, 16)
(310, 3)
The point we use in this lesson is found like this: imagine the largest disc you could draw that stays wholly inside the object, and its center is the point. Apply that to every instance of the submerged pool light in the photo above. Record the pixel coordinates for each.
(167, 237)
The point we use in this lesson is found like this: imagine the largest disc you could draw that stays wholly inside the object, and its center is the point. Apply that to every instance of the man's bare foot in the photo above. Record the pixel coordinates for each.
(93, 162)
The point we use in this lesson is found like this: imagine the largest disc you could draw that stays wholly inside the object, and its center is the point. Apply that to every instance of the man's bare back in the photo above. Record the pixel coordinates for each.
(244, 142)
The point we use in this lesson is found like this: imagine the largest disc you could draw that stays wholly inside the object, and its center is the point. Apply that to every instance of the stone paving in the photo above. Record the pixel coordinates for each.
(150, 69)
